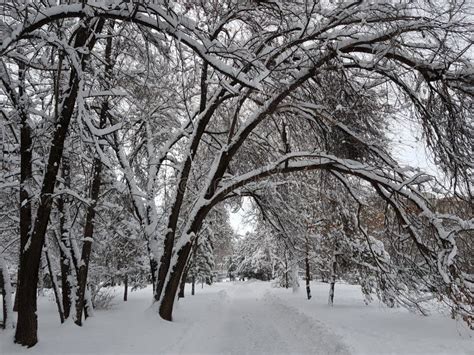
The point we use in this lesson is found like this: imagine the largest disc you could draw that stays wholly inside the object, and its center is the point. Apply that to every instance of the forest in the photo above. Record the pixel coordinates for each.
(132, 132)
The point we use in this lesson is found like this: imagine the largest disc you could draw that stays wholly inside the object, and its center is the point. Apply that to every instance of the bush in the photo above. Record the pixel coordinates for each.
(103, 298)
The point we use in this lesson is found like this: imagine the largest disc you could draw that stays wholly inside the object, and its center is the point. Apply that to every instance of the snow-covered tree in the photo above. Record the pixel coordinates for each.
(264, 89)
(254, 257)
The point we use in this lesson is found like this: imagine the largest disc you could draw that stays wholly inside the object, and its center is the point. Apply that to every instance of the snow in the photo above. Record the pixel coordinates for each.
(376, 329)
(248, 317)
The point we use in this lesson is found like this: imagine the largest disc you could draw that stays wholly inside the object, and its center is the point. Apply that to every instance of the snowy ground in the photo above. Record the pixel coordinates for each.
(249, 317)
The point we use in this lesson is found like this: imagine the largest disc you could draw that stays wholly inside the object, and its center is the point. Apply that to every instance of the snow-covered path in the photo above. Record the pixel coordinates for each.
(248, 318)
(250, 321)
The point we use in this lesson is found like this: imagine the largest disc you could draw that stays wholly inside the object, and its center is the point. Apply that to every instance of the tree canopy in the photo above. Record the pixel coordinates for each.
(130, 122)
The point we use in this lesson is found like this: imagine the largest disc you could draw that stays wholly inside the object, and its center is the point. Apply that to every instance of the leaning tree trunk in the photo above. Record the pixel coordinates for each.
(193, 280)
(167, 302)
(171, 288)
(165, 261)
(27, 326)
(94, 195)
(88, 239)
(89, 232)
(182, 285)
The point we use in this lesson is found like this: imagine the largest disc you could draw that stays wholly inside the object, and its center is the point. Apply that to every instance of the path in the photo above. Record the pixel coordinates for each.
(248, 320)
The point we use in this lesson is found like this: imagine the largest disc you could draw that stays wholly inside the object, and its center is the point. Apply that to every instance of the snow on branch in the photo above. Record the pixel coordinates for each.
(153, 16)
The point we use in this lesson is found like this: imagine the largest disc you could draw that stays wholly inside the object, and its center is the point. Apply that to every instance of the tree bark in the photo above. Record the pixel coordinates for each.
(27, 327)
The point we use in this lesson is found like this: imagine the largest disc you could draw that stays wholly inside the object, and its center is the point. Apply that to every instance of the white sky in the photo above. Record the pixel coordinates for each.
(408, 147)
(238, 221)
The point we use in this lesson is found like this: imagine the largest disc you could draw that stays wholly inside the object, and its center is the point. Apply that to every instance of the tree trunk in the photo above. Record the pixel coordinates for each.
(182, 285)
(125, 291)
(4, 308)
(308, 272)
(54, 284)
(5, 286)
(26, 324)
(63, 242)
(27, 327)
(332, 280)
(88, 237)
(166, 306)
(193, 285)
(94, 196)
(88, 305)
(153, 270)
(308, 288)
(40, 287)
(192, 148)
(15, 301)
(25, 299)
(175, 272)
